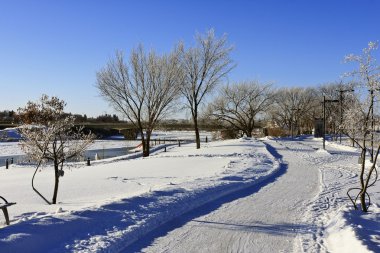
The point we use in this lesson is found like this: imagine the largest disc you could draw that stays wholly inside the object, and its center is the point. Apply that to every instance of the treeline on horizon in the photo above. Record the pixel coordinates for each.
(10, 117)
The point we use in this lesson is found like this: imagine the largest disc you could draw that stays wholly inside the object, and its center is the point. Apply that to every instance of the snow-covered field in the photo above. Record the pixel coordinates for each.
(106, 206)
(289, 196)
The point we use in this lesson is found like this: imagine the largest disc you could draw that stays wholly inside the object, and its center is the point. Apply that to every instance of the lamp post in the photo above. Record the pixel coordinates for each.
(341, 110)
(324, 116)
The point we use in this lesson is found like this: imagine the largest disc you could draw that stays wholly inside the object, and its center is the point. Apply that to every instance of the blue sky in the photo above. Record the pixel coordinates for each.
(56, 47)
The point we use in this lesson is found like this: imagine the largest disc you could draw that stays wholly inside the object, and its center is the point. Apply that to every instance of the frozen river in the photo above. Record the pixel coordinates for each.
(102, 153)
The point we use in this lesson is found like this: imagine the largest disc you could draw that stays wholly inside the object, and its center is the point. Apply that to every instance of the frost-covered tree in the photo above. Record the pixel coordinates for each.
(240, 103)
(359, 124)
(49, 136)
(204, 66)
(143, 89)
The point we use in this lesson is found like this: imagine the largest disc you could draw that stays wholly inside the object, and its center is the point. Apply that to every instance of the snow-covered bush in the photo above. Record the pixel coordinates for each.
(359, 120)
(49, 135)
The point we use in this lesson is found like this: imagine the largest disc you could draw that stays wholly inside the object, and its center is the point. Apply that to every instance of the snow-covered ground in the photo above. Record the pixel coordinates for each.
(273, 195)
(337, 226)
(107, 206)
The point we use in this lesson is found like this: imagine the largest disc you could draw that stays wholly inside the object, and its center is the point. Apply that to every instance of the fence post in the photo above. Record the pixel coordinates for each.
(6, 164)
(88, 161)
(179, 143)
(206, 139)
(165, 148)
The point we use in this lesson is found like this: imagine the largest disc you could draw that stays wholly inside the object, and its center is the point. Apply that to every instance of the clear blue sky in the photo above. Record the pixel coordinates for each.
(56, 47)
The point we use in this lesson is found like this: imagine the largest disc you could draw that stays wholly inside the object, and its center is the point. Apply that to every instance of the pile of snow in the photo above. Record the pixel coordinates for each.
(106, 206)
(10, 134)
(354, 231)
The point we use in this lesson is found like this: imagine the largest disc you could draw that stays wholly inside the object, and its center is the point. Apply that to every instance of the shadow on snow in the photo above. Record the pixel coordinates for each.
(192, 215)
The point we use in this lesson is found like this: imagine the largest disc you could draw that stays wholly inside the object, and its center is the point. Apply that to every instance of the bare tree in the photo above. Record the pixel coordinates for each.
(205, 66)
(49, 135)
(240, 103)
(333, 110)
(295, 108)
(359, 124)
(143, 89)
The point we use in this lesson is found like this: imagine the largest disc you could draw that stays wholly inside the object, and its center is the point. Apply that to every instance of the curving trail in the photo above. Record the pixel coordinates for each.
(282, 216)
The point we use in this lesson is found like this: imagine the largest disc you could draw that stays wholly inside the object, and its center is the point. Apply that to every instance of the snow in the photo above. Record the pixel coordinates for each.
(13, 148)
(339, 228)
(343, 236)
(135, 195)
(10, 133)
(267, 195)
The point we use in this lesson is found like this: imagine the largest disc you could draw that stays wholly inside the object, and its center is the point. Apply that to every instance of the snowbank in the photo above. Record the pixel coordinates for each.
(354, 231)
(10, 134)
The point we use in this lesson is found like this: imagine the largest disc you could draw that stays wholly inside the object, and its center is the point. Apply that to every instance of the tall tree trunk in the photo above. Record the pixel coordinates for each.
(56, 174)
(250, 128)
(197, 137)
(145, 143)
(146, 148)
(362, 201)
(361, 177)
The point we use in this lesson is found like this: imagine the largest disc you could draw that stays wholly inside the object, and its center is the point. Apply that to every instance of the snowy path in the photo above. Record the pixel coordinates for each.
(266, 221)
(285, 196)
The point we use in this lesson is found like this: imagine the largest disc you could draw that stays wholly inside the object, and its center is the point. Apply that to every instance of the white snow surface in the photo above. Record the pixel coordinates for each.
(107, 206)
(246, 195)
(304, 209)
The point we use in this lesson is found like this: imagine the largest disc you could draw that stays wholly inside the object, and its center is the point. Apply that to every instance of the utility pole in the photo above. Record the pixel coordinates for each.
(324, 116)
(341, 110)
